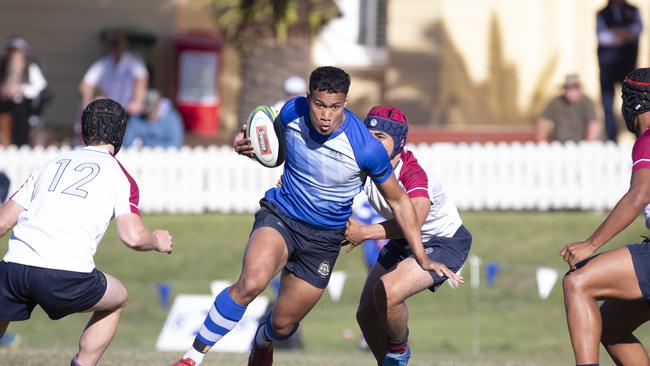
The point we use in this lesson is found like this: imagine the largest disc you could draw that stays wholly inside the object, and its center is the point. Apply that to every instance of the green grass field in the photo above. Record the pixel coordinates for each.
(504, 325)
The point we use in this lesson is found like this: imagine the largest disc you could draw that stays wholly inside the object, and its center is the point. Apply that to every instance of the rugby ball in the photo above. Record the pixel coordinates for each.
(266, 136)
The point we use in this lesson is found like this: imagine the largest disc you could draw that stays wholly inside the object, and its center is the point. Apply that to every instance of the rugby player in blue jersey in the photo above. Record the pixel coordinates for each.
(301, 223)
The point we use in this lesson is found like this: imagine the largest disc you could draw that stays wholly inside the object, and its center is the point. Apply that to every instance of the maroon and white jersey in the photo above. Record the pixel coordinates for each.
(68, 204)
(641, 160)
(641, 152)
(443, 219)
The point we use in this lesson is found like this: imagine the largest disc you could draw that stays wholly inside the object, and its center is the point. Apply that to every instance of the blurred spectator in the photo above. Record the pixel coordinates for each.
(159, 125)
(22, 87)
(569, 117)
(294, 86)
(120, 75)
(618, 26)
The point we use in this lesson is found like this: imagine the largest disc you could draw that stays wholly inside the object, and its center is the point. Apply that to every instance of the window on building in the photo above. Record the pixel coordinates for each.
(357, 38)
(372, 23)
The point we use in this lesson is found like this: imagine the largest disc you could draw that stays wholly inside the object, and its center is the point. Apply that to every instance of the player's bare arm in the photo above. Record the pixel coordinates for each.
(626, 210)
(133, 232)
(356, 233)
(405, 216)
(9, 216)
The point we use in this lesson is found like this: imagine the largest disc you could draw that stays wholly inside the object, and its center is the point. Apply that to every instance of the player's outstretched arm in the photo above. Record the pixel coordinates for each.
(405, 216)
(624, 213)
(356, 232)
(133, 232)
(9, 216)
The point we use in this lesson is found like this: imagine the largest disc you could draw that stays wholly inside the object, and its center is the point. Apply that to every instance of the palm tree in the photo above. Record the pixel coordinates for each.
(273, 38)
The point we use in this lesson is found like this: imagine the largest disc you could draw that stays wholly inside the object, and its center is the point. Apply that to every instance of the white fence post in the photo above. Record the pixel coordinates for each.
(503, 176)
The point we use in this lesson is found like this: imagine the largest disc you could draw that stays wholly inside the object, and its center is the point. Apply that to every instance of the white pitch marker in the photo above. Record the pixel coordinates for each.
(336, 284)
(546, 278)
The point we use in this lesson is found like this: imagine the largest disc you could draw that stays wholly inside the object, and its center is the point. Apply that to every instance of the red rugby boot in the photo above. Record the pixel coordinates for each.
(185, 362)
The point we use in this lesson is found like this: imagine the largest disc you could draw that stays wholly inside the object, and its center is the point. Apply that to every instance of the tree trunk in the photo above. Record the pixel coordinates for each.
(265, 68)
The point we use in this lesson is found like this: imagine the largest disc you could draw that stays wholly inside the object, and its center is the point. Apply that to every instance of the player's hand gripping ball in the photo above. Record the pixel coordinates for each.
(266, 136)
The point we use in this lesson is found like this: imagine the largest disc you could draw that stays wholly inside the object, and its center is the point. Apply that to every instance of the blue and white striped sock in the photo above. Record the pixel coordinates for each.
(224, 315)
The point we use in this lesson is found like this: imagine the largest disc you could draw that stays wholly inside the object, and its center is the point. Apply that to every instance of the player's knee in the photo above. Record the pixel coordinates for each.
(365, 315)
(284, 327)
(362, 313)
(248, 287)
(386, 295)
(574, 283)
(379, 295)
(121, 297)
(116, 293)
(366, 311)
(125, 299)
(117, 296)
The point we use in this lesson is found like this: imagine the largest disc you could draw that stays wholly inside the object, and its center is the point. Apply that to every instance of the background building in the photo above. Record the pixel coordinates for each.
(478, 66)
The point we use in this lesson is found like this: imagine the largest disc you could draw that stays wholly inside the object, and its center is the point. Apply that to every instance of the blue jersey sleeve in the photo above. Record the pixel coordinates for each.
(377, 163)
(369, 152)
(293, 109)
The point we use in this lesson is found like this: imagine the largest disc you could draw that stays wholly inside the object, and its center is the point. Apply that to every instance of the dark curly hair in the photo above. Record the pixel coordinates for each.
(329, 79)
(103, 121)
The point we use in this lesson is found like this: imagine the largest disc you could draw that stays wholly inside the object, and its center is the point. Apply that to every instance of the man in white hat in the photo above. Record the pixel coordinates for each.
(294, 86)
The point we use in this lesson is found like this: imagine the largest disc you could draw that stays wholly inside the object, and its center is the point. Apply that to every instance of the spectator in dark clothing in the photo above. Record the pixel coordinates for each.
(21, 82)
(618, 26)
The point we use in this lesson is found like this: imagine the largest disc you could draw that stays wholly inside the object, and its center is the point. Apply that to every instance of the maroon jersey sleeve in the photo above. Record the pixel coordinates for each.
(413, 177)
(128, 200)
(641, 152)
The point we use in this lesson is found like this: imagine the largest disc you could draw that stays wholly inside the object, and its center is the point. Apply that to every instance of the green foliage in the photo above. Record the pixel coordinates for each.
(247, 22)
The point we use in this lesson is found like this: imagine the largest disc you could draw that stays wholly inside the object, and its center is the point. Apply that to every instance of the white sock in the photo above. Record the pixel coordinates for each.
(195, 355)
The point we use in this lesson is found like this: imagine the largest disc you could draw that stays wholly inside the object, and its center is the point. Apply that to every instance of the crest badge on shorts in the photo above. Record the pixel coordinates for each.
(324, 268)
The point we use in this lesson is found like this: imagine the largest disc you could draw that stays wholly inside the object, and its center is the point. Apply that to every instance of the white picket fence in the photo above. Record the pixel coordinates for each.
(503, 176)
